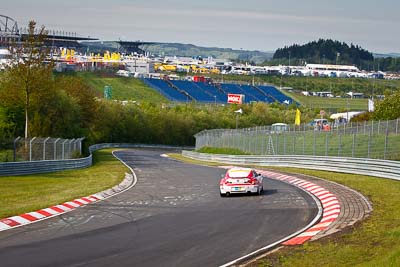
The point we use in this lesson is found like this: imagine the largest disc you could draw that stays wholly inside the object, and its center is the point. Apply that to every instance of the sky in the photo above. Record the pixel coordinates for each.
(263, 25)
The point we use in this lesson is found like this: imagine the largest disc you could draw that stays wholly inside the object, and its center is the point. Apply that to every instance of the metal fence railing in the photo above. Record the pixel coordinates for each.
(369, 139)
(35, 149)
(45, 166)
(370, 167)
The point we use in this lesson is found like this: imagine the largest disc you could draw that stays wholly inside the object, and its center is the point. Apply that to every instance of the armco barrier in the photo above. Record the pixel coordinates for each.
(371, 167)
(45, 166)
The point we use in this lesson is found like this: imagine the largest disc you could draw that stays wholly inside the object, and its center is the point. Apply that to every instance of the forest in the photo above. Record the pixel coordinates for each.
(327, 51)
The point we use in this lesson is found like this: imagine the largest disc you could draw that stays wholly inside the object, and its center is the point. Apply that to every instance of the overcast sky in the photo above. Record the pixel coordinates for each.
(247, 24)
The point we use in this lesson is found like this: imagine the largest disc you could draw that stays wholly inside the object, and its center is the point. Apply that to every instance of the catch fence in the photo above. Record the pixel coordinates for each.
(369, 139)
(35, 149)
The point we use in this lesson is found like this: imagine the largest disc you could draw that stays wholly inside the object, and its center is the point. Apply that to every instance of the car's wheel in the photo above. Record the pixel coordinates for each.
(222, 195)
(260, 191)
(227, 194)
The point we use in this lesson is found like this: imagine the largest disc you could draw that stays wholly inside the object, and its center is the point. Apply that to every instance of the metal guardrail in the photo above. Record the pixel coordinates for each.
(45, 166)
(370, 167)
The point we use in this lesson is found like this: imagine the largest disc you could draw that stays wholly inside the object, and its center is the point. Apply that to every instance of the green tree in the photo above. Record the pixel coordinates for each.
(28, 79)
(389, 108)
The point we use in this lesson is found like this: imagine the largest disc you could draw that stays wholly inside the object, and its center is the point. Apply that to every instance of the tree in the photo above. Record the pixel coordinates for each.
(389, 108)
(29, 78)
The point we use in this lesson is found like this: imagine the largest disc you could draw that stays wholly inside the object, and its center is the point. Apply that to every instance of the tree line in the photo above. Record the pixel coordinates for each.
(327, 51)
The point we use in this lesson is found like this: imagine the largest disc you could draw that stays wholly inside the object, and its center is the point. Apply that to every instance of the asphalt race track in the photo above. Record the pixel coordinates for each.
(174, 216)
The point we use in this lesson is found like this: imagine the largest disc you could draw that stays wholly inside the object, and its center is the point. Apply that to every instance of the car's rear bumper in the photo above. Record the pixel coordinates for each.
(239, 189)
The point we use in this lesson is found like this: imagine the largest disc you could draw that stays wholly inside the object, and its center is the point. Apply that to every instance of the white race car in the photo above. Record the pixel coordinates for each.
(241, 180)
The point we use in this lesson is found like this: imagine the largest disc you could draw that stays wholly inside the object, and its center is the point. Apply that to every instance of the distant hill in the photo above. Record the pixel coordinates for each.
(380, 55)
(187, 50)
(190, 50)
(325, 51)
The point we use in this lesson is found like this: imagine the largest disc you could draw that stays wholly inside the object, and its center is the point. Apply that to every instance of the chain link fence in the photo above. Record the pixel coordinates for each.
(369, 139)
(35, 149)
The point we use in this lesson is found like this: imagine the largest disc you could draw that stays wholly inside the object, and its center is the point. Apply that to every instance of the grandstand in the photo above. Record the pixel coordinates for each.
(206, 92)
(167, 90)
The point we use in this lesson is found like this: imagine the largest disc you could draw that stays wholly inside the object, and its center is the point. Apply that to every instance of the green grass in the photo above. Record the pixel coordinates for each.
(123, 88)
(20, 194)
(373, 242)
(222, 150)
(330, 104)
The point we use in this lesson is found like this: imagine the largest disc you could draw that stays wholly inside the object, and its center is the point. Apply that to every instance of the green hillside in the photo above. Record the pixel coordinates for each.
(123, 88)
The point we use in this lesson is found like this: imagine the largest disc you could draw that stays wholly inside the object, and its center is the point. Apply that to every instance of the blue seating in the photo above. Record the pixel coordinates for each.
(212, 90)
(210, 93)
(164, 88)
(196, 92)
(275, 93)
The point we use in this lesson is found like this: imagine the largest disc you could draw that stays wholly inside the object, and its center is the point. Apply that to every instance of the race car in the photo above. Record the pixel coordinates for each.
(241, 180)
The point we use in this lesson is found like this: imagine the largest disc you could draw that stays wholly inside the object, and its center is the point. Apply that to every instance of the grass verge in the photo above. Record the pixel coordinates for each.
(222, 150)
(124, 88)
(20, 194)
(373, 242)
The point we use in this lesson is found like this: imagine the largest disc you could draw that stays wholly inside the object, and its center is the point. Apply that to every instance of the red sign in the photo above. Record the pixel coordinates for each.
(235, 98)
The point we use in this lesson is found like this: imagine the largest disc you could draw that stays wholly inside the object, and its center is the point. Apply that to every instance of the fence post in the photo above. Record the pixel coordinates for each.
(397, 125)
(63, 148)
(294, 144)
(55, 148)
(315, 140)
(304, 143)
(372, 127)
(369, 145)
(30, 148)
(326, 144)
(354, 145)
(386, 140)
(15, 148)
(249, 134)
(262, 143)
(284, 143)
(379, 126)
(256, 143)
(69, 148)
(243, 141)
(340, 145)
(365, 124)
(44, 147)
